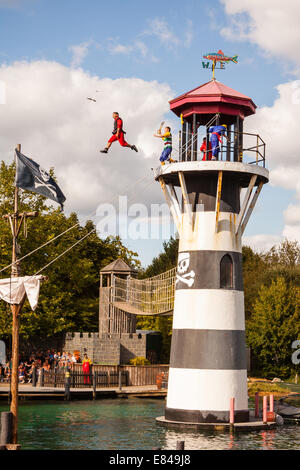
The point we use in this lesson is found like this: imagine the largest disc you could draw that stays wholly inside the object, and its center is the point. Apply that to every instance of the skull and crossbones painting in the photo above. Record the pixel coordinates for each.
(182, 275)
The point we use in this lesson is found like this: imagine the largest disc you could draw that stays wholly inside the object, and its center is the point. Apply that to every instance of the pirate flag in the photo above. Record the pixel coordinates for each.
(32, 177)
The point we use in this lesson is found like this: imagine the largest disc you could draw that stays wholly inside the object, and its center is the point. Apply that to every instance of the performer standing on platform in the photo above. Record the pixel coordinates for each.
(167, 138)
(118, 134)
(217, 132)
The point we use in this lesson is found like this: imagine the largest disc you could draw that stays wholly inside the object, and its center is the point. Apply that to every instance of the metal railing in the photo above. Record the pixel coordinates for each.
(241, 147)
(78, 379)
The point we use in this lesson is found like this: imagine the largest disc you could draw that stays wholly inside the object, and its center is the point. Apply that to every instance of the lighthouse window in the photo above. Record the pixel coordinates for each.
(226, 272)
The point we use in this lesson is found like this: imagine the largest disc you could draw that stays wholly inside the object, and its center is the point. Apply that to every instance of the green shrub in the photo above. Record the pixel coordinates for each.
(139, 361)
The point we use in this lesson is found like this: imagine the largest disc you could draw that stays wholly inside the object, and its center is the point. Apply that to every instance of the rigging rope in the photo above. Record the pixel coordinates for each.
(187, 145)
(68, 249)
(65, 231)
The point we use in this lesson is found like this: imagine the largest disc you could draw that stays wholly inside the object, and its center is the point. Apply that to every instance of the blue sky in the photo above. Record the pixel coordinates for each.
(39, 29)
(161, 42)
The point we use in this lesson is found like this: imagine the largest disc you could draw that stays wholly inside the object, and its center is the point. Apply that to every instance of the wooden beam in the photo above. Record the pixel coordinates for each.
(187, 205)
(245, 202)
(170, 204)
(21, 214)
(251, 206)
(218, 198)
(175, 202)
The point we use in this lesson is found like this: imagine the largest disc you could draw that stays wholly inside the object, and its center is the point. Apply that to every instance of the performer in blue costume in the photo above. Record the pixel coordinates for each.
(216, 138)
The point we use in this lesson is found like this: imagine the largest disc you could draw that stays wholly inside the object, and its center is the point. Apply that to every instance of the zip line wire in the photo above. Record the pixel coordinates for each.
(68, 249)
(60, 234)
(185, 147)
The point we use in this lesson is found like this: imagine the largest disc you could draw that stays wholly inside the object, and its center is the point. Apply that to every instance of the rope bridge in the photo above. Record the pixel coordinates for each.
(152, 296)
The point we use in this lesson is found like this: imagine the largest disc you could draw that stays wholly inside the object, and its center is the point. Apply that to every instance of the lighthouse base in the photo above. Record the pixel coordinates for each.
(196, 416)
(253, 424)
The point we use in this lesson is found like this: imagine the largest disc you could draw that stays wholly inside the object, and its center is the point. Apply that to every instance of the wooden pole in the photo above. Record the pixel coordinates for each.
(256, 404)
(15, 324)
(180, 445)
(265, 409)
(231, 411)
(16, 308)
(6, 428)
(14, 373)
(272, 403)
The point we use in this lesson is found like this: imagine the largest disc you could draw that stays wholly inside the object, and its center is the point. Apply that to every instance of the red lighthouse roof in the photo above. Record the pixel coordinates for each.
(211, 98)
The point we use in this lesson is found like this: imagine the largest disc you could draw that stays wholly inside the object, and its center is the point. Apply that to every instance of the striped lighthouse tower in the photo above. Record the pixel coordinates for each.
(211, 202)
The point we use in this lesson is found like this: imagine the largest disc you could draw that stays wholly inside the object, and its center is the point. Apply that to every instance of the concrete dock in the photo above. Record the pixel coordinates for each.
(254, 424)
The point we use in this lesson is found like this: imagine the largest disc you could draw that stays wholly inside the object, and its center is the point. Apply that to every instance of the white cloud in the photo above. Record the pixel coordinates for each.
(263, 242)
(292, 222)
(137, 48)
(120, 49)
(189, 34)
(278, 127)
(272, 24)
(48, 113)
(79, 53)
(161, 29)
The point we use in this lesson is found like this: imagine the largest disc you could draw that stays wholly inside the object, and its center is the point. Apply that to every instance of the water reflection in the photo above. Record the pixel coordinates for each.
(129, 424)
(285, 437)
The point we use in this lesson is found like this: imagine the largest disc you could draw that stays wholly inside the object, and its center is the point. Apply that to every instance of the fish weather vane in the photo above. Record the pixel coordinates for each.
(217, 58)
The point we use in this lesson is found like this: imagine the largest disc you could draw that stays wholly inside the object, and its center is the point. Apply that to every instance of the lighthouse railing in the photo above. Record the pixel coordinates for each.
(242, 147)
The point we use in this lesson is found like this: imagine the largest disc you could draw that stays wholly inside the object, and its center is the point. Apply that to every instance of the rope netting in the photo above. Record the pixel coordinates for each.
(152, 296)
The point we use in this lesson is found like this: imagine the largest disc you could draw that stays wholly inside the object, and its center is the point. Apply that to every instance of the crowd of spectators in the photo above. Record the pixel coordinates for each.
(47, 360)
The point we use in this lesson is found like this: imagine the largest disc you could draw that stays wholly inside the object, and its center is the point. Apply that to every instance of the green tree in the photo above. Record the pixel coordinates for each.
(69, 299)
(274, 325)
(254, 273)
(284, 260)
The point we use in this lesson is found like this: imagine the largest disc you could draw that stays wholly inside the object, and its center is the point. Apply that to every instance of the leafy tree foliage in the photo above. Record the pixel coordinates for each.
(274, 325)
(69, 299)
(271, 287)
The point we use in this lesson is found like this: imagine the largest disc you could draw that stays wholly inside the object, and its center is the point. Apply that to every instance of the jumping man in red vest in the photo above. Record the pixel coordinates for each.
(118, 134)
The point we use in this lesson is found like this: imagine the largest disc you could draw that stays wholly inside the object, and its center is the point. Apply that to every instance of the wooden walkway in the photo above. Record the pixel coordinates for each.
(28, 392)
(127, 307)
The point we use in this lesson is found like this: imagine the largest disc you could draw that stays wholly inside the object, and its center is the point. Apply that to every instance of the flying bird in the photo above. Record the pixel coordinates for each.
(92, 99)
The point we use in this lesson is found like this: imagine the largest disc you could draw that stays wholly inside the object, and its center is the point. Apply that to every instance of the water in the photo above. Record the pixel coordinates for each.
(121, 424)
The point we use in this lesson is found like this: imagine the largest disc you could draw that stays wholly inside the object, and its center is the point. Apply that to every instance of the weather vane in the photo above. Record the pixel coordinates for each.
(217, 58)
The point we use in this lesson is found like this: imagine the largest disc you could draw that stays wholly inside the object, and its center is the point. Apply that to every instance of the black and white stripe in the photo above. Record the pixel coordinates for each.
(208, 353)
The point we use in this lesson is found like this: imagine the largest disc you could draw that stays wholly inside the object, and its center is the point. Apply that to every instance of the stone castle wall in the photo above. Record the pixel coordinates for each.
(107, 348)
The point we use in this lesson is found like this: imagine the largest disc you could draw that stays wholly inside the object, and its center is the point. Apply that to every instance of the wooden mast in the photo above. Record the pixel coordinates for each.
(16, 308)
